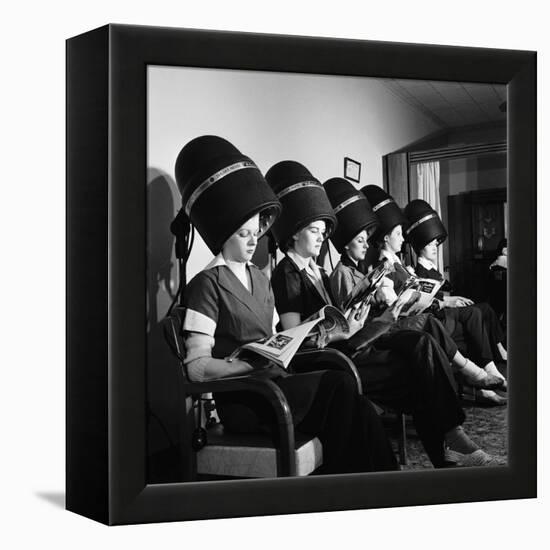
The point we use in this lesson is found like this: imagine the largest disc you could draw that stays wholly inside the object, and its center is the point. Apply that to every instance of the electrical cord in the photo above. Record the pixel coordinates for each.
(184, 232)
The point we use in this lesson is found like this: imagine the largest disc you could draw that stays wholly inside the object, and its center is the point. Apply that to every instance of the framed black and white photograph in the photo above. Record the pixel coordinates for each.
(352, 170)
(206, 212)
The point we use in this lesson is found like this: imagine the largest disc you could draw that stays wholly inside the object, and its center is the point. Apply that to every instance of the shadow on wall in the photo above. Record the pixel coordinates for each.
(160, 241)
(162, 426)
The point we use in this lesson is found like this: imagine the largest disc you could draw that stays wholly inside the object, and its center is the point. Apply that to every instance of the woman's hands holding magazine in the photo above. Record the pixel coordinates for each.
(356, 317)
(390, 314)
(456, 301)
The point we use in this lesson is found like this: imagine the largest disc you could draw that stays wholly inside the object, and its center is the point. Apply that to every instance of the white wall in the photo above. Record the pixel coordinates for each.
(473, 174)
(314, 119)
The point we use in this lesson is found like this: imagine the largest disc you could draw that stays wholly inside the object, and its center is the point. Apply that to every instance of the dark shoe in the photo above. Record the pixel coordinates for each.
(492, 382)
(490, 398)
(489, 382)
(493, 370)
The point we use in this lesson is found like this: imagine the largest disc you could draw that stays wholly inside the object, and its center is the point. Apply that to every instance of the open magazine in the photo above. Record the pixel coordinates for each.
(416, 295)
(282, 346)
(364, 291)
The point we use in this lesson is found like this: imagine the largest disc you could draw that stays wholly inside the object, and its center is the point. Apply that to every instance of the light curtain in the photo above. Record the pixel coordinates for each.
(428, 189)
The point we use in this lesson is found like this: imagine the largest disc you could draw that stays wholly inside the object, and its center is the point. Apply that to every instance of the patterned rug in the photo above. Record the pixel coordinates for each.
(486, 426)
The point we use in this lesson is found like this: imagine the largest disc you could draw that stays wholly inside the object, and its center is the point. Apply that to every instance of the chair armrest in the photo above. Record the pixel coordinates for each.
(274, 395)
(263, 386)
(325, 358)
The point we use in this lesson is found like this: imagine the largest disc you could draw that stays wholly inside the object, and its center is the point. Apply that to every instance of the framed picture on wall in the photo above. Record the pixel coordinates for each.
(352, 170)
(142, 444)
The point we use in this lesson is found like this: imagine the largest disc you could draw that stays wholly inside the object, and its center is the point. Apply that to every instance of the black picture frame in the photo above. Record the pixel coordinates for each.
(106, 270)
(352, 167)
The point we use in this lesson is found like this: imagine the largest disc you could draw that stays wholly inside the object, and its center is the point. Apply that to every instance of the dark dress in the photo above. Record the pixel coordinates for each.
(403, 369)
(476, 328)
(497, 294)
(323, 403)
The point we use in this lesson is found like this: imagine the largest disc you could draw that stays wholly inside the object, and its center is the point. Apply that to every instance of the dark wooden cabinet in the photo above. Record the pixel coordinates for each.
(477, 223)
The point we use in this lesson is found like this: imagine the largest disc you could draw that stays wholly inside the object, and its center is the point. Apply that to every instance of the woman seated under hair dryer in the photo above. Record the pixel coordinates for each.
(425, 233)
(230, 303)
(389, 240)
(406, 370)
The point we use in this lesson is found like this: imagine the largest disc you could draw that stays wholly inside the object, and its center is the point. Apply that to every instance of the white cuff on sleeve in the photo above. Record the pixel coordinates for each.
(198, 322)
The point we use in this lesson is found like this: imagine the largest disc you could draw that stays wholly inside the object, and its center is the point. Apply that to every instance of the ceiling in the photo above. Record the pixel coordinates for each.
(452, 104)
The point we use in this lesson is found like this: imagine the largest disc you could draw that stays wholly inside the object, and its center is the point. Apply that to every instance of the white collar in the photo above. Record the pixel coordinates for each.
(391, 256)
(219, 260)
(428, 264)
(354, 262)
(501, 261)
(301, 262)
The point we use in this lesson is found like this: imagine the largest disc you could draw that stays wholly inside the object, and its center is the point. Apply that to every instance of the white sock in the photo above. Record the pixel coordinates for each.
(491, 368)
(472, 372)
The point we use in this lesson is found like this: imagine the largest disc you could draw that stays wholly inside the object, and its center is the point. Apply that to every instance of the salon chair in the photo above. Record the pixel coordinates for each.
(207, 451)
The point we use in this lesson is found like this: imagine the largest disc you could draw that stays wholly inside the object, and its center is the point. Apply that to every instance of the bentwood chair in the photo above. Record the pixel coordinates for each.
(207, 450)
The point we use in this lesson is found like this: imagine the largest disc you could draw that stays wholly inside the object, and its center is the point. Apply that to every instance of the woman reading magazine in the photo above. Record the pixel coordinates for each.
(406, 370)
(477, 323)
(230, 303)
(389, 239)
